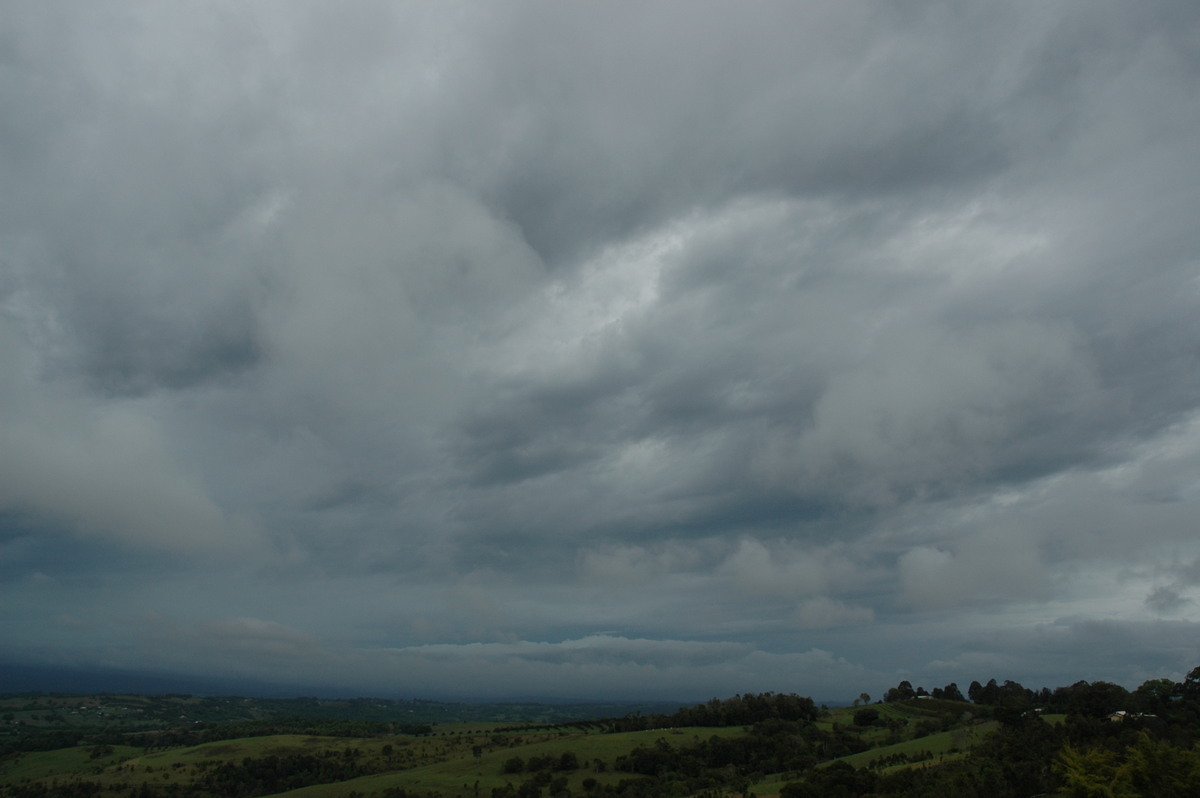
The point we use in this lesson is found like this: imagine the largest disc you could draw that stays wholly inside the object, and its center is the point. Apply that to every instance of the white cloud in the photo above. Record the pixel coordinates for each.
(823, 612)
(782, 569)
(996, 565)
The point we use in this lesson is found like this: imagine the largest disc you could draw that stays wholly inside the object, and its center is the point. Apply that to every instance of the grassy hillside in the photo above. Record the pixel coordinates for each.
(74, 761)
(463, 775)
(452, 761)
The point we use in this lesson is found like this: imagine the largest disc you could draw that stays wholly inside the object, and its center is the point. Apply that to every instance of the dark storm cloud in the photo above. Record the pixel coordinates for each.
(562, 347)
(689, 109)
(140, 167)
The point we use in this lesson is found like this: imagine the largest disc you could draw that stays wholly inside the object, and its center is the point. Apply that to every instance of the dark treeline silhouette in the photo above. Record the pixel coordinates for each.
(741, 710)
(1093, 699)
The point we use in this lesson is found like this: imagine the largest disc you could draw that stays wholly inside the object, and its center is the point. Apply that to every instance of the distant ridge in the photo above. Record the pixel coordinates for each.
(23, 678)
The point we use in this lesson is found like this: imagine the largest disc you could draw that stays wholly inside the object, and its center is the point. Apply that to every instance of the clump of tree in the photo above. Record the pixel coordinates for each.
(867, 716)
(271, 774)
(741, 710)
(1145, 767)
(566, 761)
(1113, 744)
(838, 779)
(905, 691)
(948, 693)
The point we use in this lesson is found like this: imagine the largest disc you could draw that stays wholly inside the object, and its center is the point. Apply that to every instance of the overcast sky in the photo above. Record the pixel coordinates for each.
(671, 349)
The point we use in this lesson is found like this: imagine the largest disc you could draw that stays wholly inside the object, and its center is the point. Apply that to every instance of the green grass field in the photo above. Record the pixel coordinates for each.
(445, 762)
(65, 761)
(459, 775)
(939, 745)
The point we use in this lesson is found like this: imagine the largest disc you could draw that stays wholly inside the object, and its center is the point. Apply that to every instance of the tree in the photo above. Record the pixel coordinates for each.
(1146, 768)
(866, 716)
(839, 780)
(1087, 774)
(1154, 767)
(530, 789)
(1154, 694)
(1014, 694)
(1191, 684)
(990, 693)
(1098, 699)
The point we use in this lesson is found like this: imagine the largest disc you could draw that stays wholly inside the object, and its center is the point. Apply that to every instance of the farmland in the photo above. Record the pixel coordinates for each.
(1006, 741)
(455, 758)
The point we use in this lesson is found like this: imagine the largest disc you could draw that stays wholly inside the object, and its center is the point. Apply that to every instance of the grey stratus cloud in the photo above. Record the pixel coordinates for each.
(600, 349)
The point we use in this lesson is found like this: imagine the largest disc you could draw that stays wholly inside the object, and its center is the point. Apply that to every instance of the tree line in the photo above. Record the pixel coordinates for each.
(741, 710)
